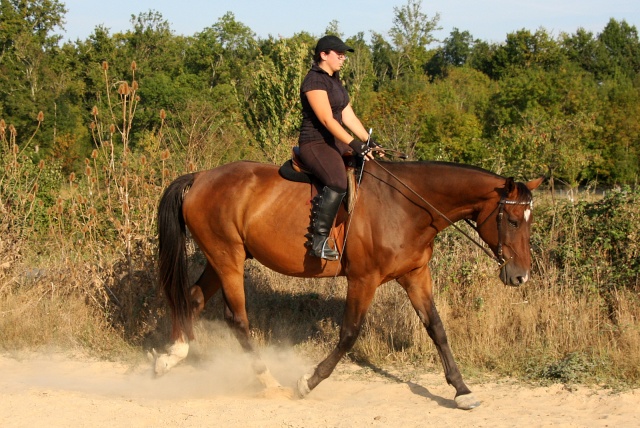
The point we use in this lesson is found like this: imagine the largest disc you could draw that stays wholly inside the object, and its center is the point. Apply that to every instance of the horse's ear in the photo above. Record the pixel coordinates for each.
(509, 185)
(533, 184)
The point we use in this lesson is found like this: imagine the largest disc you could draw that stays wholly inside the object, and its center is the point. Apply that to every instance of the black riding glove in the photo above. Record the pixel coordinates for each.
(359, 147)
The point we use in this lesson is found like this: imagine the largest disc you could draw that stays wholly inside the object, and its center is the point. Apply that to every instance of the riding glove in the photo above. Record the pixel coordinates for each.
(359, 147)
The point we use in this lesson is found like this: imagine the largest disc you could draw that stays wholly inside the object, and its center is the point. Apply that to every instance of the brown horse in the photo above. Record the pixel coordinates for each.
(247, 210)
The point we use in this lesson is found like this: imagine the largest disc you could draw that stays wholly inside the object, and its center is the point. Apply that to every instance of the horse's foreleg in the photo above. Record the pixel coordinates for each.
(418, 288)
(359, 298)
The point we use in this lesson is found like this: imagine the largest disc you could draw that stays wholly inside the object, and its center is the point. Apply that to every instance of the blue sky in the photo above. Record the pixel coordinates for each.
(489, 20)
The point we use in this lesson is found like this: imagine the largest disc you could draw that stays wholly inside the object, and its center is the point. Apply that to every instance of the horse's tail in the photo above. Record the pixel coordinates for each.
(173, 273)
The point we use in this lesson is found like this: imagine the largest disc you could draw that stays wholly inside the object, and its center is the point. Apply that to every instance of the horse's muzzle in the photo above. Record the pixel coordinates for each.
(514, 279)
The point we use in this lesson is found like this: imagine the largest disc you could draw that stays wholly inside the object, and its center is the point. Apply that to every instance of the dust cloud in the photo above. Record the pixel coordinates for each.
(216, 366)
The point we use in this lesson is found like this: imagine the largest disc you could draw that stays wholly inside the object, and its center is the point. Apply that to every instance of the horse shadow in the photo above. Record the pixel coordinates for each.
(414, 387)
(290, 317)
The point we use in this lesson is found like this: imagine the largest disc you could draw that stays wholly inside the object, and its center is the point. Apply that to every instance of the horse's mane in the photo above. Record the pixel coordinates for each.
(447, 164)
(524, 194)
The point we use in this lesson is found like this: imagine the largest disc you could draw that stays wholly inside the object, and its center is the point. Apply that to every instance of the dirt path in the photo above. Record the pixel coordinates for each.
(56, 391)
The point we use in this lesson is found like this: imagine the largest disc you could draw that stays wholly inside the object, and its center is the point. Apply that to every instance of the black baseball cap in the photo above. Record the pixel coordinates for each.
(332, 43)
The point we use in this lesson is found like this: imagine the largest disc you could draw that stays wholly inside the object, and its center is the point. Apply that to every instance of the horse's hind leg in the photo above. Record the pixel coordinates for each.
(235, 314)
(201, 291)
(417, 284)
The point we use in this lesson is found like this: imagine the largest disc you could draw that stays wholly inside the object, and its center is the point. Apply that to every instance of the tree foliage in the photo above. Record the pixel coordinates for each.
(565, 106)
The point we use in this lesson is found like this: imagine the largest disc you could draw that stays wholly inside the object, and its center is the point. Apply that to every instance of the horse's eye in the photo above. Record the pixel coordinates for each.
(513, 224)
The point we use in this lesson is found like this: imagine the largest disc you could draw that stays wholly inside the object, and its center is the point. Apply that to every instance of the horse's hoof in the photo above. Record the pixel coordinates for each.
(267, 380)
(303, 386)
(162, 365)
(467, 402)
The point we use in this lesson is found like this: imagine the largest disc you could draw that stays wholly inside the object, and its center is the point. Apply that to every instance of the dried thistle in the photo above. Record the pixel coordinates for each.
(105, 65)
(124, 89)
(133, 65)
(40, 116)
(163, 114)
(165, 154)
(94, 111)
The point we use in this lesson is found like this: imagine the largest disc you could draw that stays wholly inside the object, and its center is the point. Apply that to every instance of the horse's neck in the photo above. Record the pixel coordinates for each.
(451, 190)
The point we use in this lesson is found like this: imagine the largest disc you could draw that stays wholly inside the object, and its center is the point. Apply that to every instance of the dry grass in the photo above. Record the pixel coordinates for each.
(109, 307)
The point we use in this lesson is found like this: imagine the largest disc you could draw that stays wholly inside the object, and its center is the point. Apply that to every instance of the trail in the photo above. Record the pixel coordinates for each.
(61, 391)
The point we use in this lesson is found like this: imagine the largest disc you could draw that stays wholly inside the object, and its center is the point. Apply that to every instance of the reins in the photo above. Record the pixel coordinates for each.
(499, 258)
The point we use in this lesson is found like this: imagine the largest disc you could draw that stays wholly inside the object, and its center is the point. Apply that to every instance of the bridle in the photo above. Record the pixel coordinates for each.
(499, 257)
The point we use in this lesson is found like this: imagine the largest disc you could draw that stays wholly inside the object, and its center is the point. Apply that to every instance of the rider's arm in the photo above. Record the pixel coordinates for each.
(319, 101)
(352, 122)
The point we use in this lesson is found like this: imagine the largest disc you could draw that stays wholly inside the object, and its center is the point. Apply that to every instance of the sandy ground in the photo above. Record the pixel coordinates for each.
(61, 391)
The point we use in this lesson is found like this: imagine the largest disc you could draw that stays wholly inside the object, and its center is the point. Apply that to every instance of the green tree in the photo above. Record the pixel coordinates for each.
(619, 50)
(524, 49)
(272, 112)
(453, 120)
(454, 52)
(358, 72)
(224, 52)
(411, 33)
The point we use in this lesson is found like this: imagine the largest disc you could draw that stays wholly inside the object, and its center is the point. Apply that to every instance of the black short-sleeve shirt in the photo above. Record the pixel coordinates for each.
(318, 79)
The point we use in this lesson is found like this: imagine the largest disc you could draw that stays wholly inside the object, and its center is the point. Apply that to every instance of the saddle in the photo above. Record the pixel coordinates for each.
(294, 170)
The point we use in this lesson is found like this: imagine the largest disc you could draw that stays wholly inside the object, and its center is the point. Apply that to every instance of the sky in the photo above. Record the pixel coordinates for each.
(488, 20)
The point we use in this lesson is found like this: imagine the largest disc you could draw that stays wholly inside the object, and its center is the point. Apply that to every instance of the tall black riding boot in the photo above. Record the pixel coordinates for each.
(325, 208)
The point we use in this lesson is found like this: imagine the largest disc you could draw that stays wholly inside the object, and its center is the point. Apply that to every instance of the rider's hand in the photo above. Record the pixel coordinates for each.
(360, 148)
(376, 148)
(373, 143)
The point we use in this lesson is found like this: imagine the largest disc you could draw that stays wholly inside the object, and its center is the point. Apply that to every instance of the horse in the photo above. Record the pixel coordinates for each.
(245, 210)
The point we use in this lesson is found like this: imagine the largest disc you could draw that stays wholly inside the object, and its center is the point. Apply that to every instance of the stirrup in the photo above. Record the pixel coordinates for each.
(329, 253)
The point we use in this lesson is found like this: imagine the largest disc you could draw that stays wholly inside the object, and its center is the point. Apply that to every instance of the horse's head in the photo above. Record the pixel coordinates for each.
(506, 228)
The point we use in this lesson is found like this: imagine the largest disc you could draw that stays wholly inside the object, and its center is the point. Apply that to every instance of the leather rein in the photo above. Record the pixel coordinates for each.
(499, 258)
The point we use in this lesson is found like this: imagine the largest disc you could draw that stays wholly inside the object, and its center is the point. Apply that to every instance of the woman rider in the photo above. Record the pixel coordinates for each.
(323, 139)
